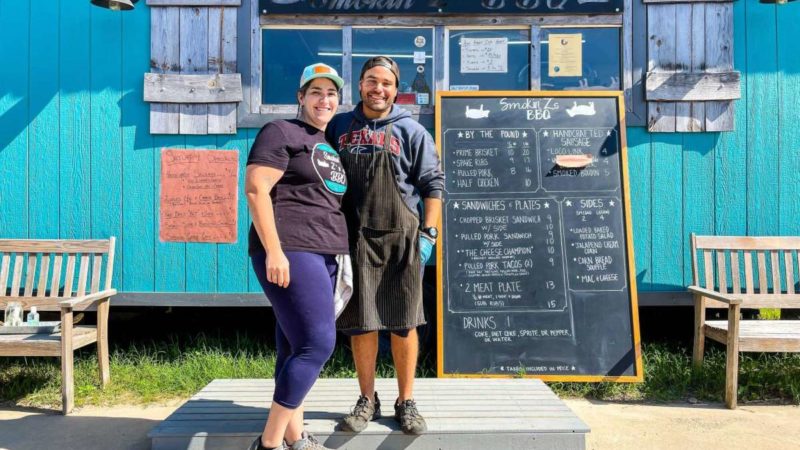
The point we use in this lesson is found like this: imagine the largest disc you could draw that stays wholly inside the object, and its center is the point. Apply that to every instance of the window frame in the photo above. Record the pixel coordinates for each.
(253, 114)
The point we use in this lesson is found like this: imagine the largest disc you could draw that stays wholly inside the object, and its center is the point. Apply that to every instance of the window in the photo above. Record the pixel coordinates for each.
(411, 48)
(454, 53)
(599, 64)
(287, 52)
(489, 60)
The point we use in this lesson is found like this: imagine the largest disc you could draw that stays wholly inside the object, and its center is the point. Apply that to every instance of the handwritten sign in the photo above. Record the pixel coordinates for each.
(199, 195)
(484, 55)
(566, 55)
(536, 263)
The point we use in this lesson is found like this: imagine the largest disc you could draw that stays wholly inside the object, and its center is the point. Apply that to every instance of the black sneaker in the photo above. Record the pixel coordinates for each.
(256, 445)
(362, 413)
(411, 421)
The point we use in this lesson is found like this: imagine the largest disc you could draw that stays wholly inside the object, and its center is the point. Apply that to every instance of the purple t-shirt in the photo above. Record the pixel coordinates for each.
(307, 199)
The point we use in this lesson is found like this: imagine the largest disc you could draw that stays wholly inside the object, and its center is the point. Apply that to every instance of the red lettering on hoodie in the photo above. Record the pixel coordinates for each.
(359, 139)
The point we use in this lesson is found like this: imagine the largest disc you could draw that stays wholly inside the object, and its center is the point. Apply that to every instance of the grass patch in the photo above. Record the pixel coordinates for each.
(157, 371)
(668, 376)
(180, 366)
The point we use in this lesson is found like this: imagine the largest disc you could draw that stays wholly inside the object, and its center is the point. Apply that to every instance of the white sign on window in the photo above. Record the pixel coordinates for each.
(484, 55)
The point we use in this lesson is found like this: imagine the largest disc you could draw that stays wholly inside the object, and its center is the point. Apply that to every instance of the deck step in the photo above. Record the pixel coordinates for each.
(474, 413)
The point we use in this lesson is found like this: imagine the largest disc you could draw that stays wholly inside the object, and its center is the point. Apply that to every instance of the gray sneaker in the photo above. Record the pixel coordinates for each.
(411, 421)
(256, 445)
(362, 413)
(307, 441)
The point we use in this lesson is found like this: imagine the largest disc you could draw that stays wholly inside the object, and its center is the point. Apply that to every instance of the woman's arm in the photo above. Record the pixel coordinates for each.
(259, 181)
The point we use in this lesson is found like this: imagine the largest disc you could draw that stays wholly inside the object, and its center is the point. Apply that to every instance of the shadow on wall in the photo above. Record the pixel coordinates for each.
(649, 286)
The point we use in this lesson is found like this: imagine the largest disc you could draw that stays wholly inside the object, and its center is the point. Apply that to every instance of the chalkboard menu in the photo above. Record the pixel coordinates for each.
(535, 264)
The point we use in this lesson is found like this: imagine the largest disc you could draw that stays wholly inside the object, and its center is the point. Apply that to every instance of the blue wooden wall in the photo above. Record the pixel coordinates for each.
(77, 161)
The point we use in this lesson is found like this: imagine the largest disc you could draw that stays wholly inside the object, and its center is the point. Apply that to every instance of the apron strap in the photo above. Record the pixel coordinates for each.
(387, 138)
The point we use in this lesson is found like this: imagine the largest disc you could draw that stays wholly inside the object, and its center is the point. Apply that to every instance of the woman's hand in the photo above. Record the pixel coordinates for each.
(278, 268)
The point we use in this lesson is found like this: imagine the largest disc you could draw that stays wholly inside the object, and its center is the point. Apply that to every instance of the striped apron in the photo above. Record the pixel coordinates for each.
(384, 244)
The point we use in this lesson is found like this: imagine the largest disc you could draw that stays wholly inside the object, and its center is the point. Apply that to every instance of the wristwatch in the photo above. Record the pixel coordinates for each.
(431, 231)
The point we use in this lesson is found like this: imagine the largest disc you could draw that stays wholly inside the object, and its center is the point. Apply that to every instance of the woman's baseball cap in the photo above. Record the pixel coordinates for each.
(320, 70)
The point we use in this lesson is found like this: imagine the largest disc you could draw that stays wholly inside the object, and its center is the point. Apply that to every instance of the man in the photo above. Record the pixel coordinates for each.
(391, 163)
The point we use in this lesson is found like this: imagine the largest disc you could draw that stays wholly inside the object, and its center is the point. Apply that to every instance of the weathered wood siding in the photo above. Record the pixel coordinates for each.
(691, 83)
(77, 159)
(193, 63)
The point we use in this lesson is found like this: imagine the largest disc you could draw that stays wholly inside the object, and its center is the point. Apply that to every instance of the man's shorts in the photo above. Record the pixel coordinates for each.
(357, 332)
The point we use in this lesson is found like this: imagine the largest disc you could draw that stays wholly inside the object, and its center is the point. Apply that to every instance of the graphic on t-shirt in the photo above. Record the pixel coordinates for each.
(329, 168)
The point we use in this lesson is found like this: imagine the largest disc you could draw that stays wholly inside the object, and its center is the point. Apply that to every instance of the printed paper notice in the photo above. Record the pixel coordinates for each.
(566, 55)
(199, 195)
(484, 55)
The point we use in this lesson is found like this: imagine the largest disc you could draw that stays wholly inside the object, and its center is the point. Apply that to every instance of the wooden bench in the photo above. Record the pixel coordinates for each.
(51, 283)
(732, 272)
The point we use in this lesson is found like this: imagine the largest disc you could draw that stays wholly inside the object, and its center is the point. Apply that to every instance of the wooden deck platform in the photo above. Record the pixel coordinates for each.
(507, 414)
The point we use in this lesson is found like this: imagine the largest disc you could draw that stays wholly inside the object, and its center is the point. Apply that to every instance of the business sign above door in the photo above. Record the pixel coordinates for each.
(415, 7)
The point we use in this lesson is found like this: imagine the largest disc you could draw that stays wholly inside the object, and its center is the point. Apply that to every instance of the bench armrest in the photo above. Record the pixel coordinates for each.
(730, 299)
(72, 302)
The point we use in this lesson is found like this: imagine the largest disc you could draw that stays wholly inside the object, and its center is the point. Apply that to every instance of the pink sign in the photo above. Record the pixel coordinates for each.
(199, 195)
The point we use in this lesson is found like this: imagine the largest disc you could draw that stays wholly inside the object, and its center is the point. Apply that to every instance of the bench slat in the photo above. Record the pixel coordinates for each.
(56, 281)
(50, 303)
(97, 266)
(776, 272)
(752, 328)
(4, 265)
(709, 269)
(737, 286)
(748, 242)
(748, 272)
(763, 301)
(44, 273)
(722, 277)
(110, 264)
(30, 272)
(772, 345)
(762, 273)
(695, 281)
(83, 275)
(54, 246)
(789, 263)
(16, 277)
(69, 276)
(759, 335)
(44, 344)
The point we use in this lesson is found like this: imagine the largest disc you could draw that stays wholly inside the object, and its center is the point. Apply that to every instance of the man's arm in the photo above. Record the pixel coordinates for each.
(432, 212)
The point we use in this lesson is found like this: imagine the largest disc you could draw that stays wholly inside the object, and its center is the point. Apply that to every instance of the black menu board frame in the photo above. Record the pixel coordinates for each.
(532, 277)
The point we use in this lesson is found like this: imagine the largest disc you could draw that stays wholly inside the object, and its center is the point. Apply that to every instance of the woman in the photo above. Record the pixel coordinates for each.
(294, 185)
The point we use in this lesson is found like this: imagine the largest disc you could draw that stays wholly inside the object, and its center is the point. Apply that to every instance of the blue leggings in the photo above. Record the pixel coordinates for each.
(306, 330)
